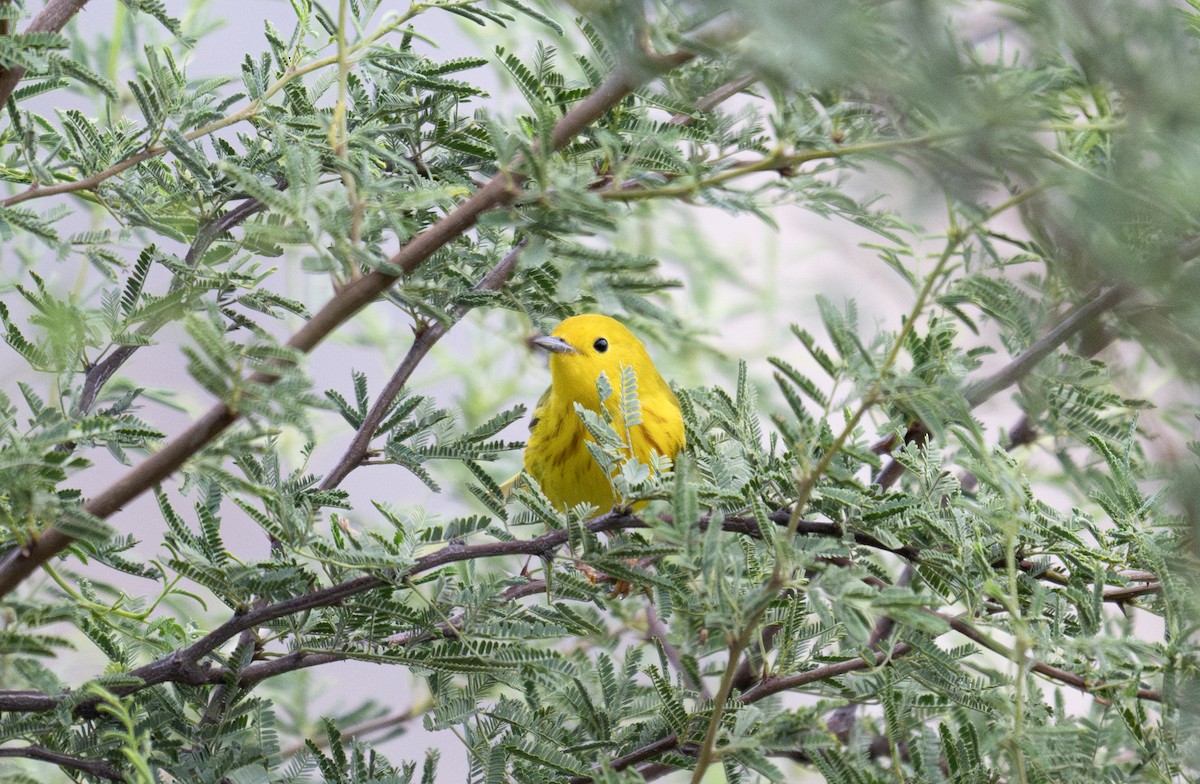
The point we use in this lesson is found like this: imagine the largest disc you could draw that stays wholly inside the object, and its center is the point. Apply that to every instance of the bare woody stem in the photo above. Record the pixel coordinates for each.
(51, 19)
(96, 768)
(499, 191)
(716, 97)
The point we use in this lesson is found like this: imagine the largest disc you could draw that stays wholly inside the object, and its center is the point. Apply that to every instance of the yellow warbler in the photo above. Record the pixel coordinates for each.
(557, 457)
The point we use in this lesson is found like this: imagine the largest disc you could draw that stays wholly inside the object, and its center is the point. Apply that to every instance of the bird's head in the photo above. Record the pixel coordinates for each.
(582, 347)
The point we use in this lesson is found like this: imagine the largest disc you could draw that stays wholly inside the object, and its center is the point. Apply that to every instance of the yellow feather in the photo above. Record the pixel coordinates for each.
(557, 456)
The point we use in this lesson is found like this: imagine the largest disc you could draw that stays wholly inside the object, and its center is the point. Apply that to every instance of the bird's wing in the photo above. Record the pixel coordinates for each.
(507, 486)
(538, 409)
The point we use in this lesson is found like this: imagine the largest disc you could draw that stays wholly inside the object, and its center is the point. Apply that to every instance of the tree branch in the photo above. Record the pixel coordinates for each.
(656, 631)
(51, 19)
(715, 98)
(355, 730)
(95, 768)
(183, 666)
(1103, 300)
(774, 685)
(1050, 671)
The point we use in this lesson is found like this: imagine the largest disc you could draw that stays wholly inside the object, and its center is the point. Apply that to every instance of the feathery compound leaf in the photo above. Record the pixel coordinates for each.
(535, 14)
(526, 82)
(132, 294)
(78, 524)
(12, 218)
(631, 405)
(81, 73)
(157, 10)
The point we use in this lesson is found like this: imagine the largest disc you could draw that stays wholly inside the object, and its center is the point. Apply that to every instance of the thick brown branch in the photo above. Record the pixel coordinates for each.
(42, 754)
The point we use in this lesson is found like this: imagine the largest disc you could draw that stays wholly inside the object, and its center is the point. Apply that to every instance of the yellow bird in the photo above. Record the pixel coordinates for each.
(557, 457)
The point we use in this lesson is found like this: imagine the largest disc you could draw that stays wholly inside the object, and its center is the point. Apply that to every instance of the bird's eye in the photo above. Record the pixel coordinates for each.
(600, 345)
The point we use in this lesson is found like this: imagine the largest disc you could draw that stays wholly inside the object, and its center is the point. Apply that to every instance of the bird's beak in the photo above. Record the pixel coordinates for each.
(553, 345)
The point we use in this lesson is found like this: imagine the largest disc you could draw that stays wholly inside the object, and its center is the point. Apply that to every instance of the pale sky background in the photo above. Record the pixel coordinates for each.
(807, 256)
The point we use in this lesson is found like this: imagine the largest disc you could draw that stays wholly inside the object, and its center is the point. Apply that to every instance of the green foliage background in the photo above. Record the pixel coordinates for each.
(850, 574)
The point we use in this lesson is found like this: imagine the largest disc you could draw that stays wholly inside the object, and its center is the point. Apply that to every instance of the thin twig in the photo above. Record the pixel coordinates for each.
(778, 161)
(1050, 671)
(1122, 595)
(715, 98)
(1104, 300)
(657, 631)
(339, 135)
(453, 626)
(708, 747)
